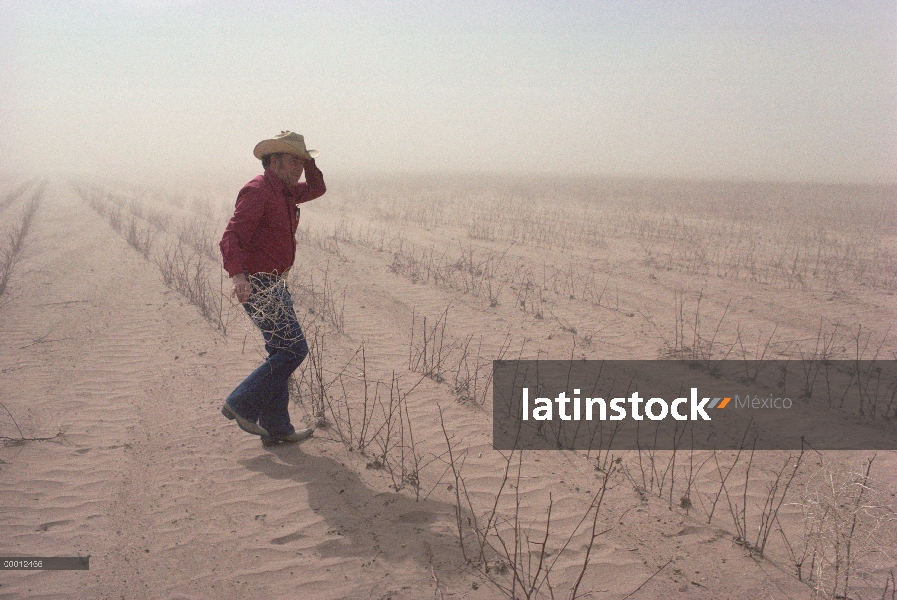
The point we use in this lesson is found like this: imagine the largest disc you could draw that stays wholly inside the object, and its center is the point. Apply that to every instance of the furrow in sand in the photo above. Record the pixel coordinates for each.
(117, 404)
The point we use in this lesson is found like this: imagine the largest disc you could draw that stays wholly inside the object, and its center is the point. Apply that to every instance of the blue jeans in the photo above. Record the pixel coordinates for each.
(264, 396)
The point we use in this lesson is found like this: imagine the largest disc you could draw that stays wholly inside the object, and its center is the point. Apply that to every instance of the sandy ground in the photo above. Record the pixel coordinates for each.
(170, 500)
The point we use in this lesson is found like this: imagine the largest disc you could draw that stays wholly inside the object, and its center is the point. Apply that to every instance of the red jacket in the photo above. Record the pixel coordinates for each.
(260, 237)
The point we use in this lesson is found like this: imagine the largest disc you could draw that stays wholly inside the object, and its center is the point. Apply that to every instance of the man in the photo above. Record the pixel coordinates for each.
(259, 247)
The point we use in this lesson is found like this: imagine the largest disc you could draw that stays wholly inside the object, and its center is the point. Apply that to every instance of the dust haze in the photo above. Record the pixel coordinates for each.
(767, 91)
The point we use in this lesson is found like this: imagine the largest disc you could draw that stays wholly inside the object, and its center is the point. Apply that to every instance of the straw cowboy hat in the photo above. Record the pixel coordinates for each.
(286, 142)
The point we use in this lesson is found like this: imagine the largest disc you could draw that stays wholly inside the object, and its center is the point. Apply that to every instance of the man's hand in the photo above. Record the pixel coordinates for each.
(241, 288)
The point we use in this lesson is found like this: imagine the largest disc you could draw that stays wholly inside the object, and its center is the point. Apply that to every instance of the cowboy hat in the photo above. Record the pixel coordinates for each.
(286, 142)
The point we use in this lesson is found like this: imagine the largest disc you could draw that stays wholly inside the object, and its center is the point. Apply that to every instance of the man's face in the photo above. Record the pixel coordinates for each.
(288, 167)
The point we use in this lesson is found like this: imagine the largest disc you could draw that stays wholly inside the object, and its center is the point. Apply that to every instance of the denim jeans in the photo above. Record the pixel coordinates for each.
(264, 396)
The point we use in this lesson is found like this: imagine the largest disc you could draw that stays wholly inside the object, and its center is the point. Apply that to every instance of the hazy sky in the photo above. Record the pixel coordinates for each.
(725, 89)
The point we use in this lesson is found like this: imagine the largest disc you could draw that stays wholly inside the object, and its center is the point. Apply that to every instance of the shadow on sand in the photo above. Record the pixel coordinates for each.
(367, 523)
